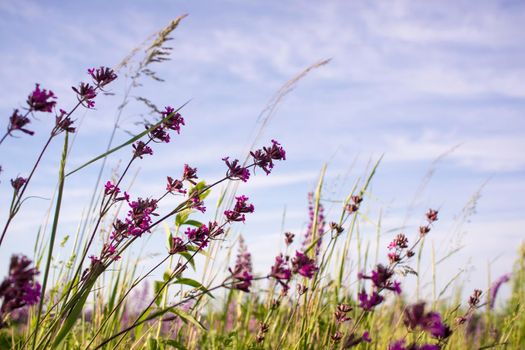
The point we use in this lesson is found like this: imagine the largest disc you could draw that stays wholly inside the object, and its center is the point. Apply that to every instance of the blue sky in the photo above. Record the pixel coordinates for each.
(410, 80)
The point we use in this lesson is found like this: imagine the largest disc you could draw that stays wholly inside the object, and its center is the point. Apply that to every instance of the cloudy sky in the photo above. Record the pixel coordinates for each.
(437, 87)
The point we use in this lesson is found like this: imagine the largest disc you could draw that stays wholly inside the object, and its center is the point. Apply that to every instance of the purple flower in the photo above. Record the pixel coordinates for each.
(139, 216)
(432, 215)
(18, 122)
(86, 93)
(175, 186)
(40, 100)
(197, 203)
(263, 158)
(241, 207)
(415, 316)
(320, 223)
(303, 265)
(367, 302)
(174, 122)
(158, 134)
(236, 171)
(18, 183)
(140, 149)
(280, 270)
(494, 288)
(201, 235)
(110, 189)
(102, 76)
(19, 288)
(189, 173)
(242, 272)
(366, 337)
(380, 277)
(177, 245)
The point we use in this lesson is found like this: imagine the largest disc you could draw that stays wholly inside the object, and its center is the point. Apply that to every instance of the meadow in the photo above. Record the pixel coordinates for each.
(325, 290)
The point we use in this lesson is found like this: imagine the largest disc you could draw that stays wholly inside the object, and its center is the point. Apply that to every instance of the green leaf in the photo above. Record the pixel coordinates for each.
(192, 283)
(189, 258)
(181, 217)
(186, 317)
(173, 343)
(194, 223)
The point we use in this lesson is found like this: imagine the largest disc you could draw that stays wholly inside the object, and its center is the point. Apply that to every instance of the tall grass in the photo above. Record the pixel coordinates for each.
(328, 288)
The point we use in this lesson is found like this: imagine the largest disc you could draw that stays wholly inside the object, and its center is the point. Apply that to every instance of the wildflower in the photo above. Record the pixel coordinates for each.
(414, 316)
(236, 171)
(242, 272)
(336, 337)
(263, 329)
(197, 203)
(241, 207)
(336, 228)
(19, 288)
(399, 242)
(288, 238)
(303, 265)
(40, 100)
(158, 134)
(18, 183)
(352, 340)
(474, 299)
(340, 313)
(18, 122)
(494, 288)
(355, 203)
(111, 189)
(201, 235)
(141, 149)
(175, 186)
(319, 223)
(263, 158)
(177, 245)
(139, 215)
(380, 277)
(432, 215)
(189, 173)
(280, 270)
(366, 302)
(175, 120)
(102, 76)
(63, 123)
(86, 93)
(301, 289)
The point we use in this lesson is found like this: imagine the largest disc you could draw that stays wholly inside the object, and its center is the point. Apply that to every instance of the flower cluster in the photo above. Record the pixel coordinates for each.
(381, 279)
(341, 312)
(319, 223)
(41, 100)
(18, 183)
(400, 345)
(431, 216)
(396, 247)
(355, 203)
(242, 272)
(85, 94)
(170, 121)
(236, 171)
(139, 216)
(303, 265)
(263, 158)
(281, 272)
(18, 122)
(19, 288)
(102, 76)
(241, 207)
(203, 234)
(430, 322)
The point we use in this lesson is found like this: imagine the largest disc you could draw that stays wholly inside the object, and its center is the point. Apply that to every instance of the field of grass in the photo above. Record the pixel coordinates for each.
(325, 290)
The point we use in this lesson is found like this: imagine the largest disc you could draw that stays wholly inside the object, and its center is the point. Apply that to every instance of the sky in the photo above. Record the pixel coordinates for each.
(434, 87)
